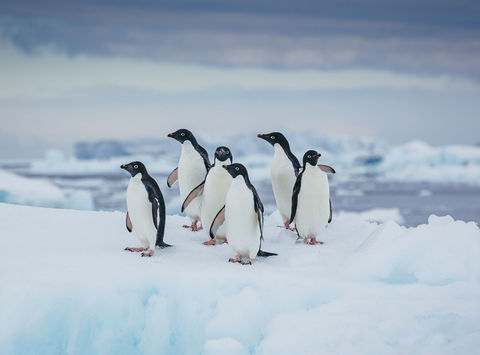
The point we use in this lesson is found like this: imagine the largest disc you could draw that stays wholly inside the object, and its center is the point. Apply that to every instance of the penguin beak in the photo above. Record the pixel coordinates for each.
(170, 135)
(224, 166)
(319, 155)
(261, 136)
(123, 167)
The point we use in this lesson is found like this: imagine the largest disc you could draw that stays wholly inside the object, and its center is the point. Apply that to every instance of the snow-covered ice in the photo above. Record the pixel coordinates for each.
(69, 287)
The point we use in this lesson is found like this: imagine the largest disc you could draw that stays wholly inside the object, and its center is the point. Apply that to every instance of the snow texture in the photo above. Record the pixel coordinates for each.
(69, 287)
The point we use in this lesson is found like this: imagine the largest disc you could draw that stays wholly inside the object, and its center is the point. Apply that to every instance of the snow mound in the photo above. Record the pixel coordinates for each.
(69, 287)
(38, 192)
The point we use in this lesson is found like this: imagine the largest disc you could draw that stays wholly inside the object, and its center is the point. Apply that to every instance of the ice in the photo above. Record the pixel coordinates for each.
(418, 161)
(69, 287)
(39, 192)
(414, 161)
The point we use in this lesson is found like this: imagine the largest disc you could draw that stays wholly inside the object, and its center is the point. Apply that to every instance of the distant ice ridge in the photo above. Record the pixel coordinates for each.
(418, 161)
(39, 192)
(69, 287)
(350, 156)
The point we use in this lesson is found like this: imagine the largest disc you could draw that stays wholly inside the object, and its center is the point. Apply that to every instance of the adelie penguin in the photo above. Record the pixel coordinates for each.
(190, 173)
(284, 170)
(311, 205)
(243, 217)
(145, 209)
(214, 191)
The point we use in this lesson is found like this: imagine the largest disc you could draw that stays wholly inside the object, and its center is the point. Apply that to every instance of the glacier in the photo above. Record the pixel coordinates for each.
(374, 287)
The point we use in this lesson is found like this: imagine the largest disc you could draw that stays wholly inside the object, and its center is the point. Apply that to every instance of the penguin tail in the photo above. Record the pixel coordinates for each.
(163, 245)
(265, 253)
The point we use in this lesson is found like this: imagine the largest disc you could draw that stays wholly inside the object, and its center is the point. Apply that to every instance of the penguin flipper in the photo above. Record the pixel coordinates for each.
(330, 218)
(155, 212)
(258, 205)
(191, 196)
(172, 177)
(296, 190)
(128, 223)
(217, 222)
(327, 169)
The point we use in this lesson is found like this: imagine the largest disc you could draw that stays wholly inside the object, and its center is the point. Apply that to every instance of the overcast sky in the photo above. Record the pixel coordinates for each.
(396, 70)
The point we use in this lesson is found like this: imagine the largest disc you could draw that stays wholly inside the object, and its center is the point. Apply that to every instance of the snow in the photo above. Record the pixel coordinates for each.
(69, 287)
(39, 192)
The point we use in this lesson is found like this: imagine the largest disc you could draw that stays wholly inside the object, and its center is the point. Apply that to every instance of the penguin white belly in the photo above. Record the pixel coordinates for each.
(313, 206)
(214, 193)
(283, 180)
(140, 212)
(241, 221)
(191, 172)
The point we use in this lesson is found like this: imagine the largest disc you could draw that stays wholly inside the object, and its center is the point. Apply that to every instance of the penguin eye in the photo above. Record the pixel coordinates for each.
(237, 168)
(182, 134)
(135, 166)
(273, 137)
(309, 156)
(227, 152)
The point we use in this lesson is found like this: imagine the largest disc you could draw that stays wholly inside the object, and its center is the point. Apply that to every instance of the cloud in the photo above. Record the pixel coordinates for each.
(48, 73)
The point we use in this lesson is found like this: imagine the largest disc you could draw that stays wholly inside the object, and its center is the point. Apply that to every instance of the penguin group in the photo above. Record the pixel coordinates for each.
(220, 199)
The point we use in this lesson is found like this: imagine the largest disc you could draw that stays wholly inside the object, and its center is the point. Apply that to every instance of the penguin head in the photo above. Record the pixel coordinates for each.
(274, 137)
(311, 157)
(223, 153)
(236, 170)
(134, 168)
(182, 135)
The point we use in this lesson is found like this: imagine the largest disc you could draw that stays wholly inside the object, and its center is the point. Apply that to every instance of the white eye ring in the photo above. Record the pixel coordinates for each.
(135, 166)
(182, 134)
(273, 137)
(237, 168)
(309, 156)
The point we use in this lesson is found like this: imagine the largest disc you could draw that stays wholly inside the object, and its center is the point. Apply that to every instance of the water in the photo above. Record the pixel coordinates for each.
(415, 201)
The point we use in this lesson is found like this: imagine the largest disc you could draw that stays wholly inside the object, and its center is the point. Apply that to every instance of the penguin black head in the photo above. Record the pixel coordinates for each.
(134, 168)
(182, 135)
(311, 157)
(223, 153)
(274, 137)
(236, 169)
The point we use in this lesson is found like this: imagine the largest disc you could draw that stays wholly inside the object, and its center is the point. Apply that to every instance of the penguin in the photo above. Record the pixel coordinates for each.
(311, 204)
(243, 217)
(190, 173)
(215, 189)
(283, 171)
(145, 209)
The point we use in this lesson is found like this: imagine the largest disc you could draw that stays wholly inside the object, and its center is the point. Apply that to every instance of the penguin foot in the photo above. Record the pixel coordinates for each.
(287, 226)
(210, 242)
(235, 260)
(247, 262)
(193, 227)
(148, 253)
(314, 241)
(136, 249)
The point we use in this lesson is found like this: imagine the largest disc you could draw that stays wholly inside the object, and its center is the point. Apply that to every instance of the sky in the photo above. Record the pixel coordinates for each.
(392, 70)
